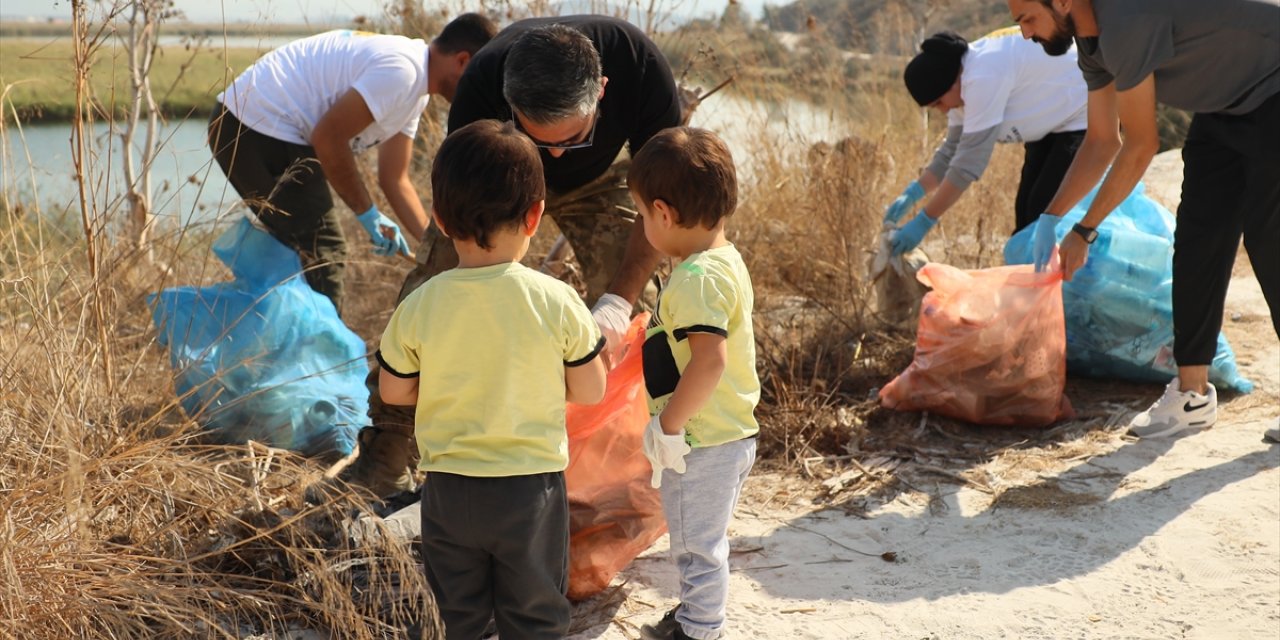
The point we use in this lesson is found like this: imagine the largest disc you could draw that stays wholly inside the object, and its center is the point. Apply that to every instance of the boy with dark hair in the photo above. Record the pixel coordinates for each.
(699, 367)
(489, 352)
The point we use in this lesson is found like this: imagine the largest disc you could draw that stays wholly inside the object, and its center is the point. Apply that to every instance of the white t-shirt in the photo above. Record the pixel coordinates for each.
(1011, 83)
(284, 94)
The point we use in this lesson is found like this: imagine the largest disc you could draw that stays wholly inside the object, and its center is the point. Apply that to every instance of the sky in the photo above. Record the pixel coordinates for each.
(303, 11)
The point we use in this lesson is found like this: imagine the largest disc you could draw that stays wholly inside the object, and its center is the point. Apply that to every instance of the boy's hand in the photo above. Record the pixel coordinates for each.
(613, 314)
(664, 451)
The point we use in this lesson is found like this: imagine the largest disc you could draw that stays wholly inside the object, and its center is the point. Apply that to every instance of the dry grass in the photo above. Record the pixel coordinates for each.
(117, 523)
(808, 226)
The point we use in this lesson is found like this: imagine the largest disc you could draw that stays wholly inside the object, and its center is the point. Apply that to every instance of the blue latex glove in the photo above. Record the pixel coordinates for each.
(910, 196)
(911, 233)
(383, 233)
(1046, 238)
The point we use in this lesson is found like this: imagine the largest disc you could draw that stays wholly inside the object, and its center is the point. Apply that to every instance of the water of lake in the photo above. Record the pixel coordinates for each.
(261, 43)
(757, 129)
(36, 167)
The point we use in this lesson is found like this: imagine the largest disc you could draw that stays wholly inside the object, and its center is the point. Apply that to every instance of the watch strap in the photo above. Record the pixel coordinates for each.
(1089, 234)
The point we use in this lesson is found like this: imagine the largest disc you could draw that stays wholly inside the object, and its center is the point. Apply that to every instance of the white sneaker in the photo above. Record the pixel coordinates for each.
(1176, 411)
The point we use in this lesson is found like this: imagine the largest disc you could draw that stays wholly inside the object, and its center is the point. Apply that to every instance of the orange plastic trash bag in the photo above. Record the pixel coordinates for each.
(613, 512)
(990, 348)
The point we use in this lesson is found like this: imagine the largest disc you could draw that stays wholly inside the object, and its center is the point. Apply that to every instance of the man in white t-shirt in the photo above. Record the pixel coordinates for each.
(290, 127)
(999, 88)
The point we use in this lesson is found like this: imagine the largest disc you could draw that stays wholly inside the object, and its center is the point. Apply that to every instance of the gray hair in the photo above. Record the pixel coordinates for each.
(551, 73)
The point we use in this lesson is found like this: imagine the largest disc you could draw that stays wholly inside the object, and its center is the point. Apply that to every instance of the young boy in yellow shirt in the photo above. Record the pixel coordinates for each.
(489, 353)
(699, 367)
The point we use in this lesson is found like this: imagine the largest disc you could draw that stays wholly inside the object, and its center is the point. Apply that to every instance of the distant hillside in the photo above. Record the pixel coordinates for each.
(887, 26)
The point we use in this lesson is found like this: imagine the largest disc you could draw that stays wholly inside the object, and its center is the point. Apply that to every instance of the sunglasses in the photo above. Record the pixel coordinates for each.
(561, 146)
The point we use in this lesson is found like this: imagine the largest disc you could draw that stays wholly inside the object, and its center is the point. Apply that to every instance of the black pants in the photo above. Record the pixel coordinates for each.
(284, 186)
(498, 547)
(1230, 187)
(1043, 166)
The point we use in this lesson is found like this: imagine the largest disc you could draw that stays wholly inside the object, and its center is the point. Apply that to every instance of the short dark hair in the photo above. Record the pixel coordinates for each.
(551, 73)
(485, 177)
(690, 169)
(467, 32)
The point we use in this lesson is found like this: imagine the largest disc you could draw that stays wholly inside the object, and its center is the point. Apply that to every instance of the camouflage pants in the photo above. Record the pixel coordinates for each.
(595, 218)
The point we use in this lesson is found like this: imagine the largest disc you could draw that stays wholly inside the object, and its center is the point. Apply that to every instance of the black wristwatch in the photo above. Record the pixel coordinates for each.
(1088, 233)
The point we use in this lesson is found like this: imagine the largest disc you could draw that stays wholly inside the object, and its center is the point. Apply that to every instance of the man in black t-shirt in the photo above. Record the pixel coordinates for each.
(582, 88)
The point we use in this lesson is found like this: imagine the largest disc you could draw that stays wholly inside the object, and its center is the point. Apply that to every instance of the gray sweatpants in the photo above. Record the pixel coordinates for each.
(698, 505)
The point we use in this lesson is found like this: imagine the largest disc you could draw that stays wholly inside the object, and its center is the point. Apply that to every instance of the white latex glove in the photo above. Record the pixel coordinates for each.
(613, 314)
(664, 451)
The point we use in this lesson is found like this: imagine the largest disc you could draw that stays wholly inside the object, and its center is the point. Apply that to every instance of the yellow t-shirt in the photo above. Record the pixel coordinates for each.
(710, 292)
(490, 346)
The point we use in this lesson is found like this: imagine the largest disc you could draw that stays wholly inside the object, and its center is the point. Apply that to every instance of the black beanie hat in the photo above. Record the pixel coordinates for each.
(932, 72)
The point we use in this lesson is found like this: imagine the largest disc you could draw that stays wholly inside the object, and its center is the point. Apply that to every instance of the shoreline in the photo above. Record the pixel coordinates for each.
(34, 114)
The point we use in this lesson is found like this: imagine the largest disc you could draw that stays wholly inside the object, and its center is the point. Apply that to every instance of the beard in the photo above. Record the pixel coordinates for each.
(1064, 32)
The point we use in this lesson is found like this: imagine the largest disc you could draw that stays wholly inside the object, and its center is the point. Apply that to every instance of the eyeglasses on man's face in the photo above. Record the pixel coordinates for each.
(579, 141)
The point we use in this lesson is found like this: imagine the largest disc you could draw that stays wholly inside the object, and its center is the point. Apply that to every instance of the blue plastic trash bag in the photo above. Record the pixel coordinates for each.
(1119, 306)
(264, 357)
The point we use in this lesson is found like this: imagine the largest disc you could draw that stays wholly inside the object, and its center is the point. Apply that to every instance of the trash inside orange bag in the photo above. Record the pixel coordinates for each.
(613, 512)
(990, 348)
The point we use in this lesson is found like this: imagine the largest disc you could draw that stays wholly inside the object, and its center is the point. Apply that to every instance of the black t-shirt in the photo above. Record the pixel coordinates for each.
(639, 100)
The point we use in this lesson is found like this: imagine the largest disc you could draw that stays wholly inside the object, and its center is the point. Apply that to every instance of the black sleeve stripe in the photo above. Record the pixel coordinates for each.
(681, 334)
(589, 357)
(386, 367)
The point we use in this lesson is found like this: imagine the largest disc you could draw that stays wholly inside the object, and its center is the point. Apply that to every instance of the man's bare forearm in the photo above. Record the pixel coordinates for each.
(1086, 170)
(948, 194)
(395, 156)
(404, 201)
(1125, 173)
(332, 142)
(343, 174)
(1136, 110)
(638, 263)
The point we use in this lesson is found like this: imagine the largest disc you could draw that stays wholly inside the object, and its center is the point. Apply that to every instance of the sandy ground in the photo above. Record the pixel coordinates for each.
(1154, 539)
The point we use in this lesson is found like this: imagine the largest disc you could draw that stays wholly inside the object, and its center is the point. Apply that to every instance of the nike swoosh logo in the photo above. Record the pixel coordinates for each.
(1188, 408)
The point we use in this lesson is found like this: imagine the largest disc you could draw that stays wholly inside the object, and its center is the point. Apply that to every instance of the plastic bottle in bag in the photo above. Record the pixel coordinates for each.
(1119, 306)
(320, 415)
